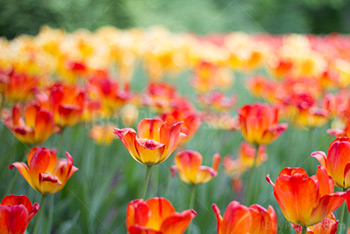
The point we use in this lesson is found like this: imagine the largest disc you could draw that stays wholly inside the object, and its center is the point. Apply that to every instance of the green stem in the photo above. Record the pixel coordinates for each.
(41, 210)
(192, 199)
(304, 230)
(341, 219)
(251, 174)
(52, 201)
(145, 183)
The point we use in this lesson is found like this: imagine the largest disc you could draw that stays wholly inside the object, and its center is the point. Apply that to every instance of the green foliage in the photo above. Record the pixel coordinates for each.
(202, 17)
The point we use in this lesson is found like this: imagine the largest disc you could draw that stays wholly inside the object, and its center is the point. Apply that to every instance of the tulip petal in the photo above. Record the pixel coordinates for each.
(205, 174)
(142, 230)
(150, 129)
(128, 138)
(44, 126)
(325, 182)
(265, 221)
(137, 213)
(177, 222)
(160, 209)
(237, 219)
(347, 176)
(149, 151)
(13, 219)
(30, 115)
(24, 171)
(296, 204)
(321, 157)
(326, 205)
(219, 218)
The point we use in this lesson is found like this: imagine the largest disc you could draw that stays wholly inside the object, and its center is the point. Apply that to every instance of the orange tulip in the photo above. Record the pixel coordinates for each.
(247, 154)
(306, 200)
(188, 165)
(156, 216)
(259, 123)
(155, 141)
(45, 173)
(16, 213)
(191, 121)
(102, 134)
(65, 102)
(20, 87)
(237, 219)
(337, 162)
(37, 126)
(263, 221)
(328, 226)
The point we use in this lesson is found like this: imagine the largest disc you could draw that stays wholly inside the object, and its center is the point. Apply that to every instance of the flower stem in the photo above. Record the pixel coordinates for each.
(251, 174)
(145, 183)
(341, 219)
(41, 210)
(304, 230)
(192, 199)
(51, 206)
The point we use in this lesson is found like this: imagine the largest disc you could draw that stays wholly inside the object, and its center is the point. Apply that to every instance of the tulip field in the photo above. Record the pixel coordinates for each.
(145, 131)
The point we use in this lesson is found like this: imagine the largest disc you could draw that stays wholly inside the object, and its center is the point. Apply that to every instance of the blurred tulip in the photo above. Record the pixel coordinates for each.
(129, 115)
(259, 123)
(234, 169)
(156, 216)
(237, 219)
(154, 142)
(102, 134)
(45, 173)
(306, 200)
(247, 153)
(263, 221)
(191, 121)
(37, 126)
(217, 101)
(65, 102)
(20, 87)
(188, 165)
(16, 213)
(337, 162)
(328, 226)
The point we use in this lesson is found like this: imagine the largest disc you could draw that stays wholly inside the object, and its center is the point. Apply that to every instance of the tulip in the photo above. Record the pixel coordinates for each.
(16, 213)
(247, 153)
(337, 162)
(306, 200)
(156, 216)
(65, 102)
(37, 126)
(102, 134)
(237, 219)
(328, 226)
(263, 221)
(155, 141)
(188, 165)
(20, 86)
(191, 121)
(45, 173)
(259, 123)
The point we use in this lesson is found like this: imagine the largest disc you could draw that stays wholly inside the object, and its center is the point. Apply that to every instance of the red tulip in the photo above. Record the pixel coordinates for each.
(156, 216)
(16, 213)
(45, 174)
(306, 200)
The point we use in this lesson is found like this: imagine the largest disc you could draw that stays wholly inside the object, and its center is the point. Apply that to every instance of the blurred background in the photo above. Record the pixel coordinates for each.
(198, 16)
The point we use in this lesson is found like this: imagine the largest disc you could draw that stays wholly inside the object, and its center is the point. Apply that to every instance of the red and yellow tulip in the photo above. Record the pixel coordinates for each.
(16, 213)
(259, 123)
(37, 126)
(306, 200)
(263, 221)
(45, 173)
(154, 142)
(156, 216)
(337, 162)
(328, 226)
(190, 169)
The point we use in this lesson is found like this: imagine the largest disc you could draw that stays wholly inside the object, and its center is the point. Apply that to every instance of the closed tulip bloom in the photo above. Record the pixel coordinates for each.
(237, 219)
(263, 221)
(328, 226)
(156, 216)
(190, 169)
(259, 123)
(36, 127)
(154, 142)
(337, 162)
(45, 173)
(16, 213)
(306, 200)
